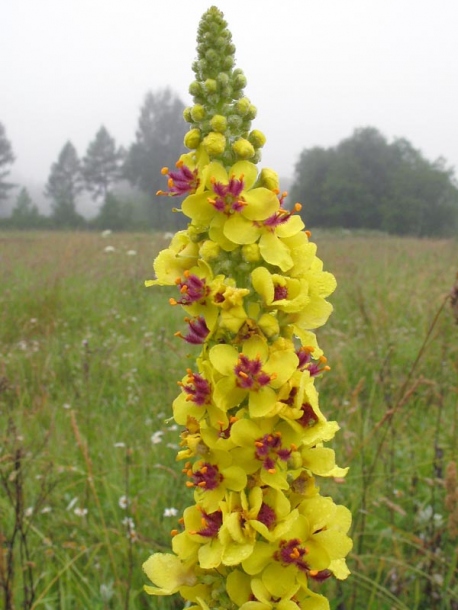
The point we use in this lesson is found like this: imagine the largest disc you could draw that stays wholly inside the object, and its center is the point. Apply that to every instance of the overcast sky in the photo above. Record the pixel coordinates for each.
(316, 70)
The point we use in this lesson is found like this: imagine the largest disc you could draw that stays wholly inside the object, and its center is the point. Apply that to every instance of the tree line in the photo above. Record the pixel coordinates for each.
(104, 171)
(364, 182)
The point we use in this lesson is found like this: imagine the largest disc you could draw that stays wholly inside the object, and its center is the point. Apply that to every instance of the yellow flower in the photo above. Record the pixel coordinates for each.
(212, 476)
(280, 292)
(231, 197)
(171, 263)
(168, 573)
(255, 372)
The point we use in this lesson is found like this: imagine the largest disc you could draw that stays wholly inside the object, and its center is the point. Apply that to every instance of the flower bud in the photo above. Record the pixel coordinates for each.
(209, 250)
(250, 253)
(235, 122)
(214, 143)
(192, 138)
(211, 86)
(228, 62)
(195, 88)
(211, 56)
(257, 138)
(242, 106)
(223, 79)
(239, 81)
(269, 179)
(218, 123)
(197, 112)
(243, 149)
(187, 115)
(252, 112)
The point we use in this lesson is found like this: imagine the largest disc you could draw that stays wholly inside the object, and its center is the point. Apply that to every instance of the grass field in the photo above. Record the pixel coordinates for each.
(88, 368)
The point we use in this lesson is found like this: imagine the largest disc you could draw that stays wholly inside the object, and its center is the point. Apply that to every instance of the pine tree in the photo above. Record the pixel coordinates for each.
(102, 165)
(159, 141)
(25, 213)
(64, 185)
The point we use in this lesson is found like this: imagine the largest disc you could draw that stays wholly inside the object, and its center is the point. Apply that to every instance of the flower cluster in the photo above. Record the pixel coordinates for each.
(258, 534)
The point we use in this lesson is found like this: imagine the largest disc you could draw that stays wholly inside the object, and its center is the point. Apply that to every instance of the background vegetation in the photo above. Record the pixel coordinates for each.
(89, 365)
(364, 182)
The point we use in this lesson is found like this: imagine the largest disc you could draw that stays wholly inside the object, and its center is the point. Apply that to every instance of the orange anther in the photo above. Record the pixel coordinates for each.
(308, 233)
(298, 207)
(164, 171)
(174, 532)
(189, 484)
(202, 484)
(272, 471)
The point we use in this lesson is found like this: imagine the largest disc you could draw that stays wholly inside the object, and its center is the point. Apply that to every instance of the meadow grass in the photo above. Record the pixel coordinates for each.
(89, 367)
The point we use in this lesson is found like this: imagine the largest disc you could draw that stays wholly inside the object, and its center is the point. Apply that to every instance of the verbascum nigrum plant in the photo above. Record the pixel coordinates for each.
(257, 533)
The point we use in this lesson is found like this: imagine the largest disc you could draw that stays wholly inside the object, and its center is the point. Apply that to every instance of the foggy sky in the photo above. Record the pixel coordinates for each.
(316, 70)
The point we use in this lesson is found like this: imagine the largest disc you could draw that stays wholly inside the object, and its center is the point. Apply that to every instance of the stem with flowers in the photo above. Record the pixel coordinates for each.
(258, 535)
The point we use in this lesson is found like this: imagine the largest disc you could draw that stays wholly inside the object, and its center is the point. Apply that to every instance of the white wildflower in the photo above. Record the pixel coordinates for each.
(170, 512)
(80, 512)
(123, 502)
(156, 437)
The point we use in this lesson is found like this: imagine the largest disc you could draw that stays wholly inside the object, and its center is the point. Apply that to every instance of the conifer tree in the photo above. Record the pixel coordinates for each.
(64, 185)
(102, 165)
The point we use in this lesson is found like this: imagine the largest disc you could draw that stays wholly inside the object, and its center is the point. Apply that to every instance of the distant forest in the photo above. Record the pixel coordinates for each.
(364, 182)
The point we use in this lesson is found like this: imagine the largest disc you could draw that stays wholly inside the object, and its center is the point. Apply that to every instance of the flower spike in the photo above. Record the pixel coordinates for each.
(257, 532)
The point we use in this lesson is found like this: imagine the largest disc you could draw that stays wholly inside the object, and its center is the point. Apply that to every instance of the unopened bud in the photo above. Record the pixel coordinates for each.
(250, 253)
(243, 149)
(252, 112)
(211, 86)
(239, 81)
(197, 112)
(257, 138)
(219, 123)
(223, 79)
(195, 88)
(214, 143)
(187, 115)
(209, 250)
(243, 106)
(269, 179)
(192, 139)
